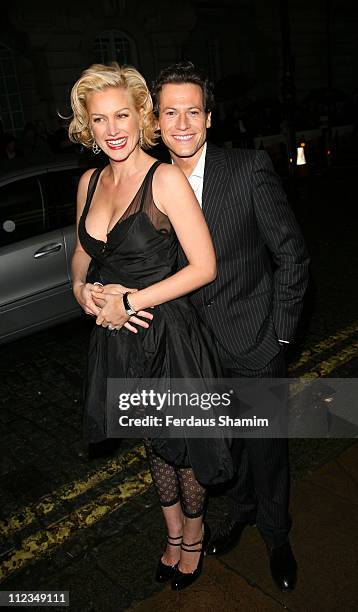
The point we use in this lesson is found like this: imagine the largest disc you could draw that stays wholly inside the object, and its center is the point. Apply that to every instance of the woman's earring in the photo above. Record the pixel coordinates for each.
(141, 139)
(95, 148)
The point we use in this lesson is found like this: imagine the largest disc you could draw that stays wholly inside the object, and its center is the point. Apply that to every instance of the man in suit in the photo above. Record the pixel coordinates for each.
(254, 304)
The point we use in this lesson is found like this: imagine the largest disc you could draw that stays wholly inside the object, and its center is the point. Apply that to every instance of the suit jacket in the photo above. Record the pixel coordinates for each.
(262, 260)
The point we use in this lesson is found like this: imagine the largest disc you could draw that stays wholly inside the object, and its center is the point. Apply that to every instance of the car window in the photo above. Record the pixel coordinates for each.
(21, 211)
(61, 191)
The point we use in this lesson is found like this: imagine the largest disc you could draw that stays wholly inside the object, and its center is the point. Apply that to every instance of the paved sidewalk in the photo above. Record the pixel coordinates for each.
(325, 540)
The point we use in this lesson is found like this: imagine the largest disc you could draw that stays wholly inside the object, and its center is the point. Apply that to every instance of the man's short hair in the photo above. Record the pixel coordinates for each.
(183, 72)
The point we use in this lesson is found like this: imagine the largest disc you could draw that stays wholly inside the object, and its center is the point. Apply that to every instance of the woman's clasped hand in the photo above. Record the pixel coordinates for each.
(112, 314)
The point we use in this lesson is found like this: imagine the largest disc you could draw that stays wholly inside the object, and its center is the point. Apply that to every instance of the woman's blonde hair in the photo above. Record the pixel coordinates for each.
(97, 78)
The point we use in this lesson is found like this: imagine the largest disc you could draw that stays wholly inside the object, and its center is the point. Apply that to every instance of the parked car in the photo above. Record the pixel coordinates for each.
(37, 237)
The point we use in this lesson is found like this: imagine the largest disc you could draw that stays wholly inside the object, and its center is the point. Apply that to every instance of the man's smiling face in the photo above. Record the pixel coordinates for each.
(182, 119)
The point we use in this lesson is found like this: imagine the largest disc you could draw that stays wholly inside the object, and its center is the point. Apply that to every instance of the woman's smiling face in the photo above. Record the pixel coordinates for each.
(114, 121)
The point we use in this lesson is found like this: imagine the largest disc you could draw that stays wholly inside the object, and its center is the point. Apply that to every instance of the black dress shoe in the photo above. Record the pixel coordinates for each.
(166, 572)
(182, 580)
(226, 538)
(283, 567)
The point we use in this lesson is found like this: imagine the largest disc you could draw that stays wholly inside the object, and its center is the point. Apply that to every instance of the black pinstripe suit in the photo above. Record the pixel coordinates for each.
(255, 300)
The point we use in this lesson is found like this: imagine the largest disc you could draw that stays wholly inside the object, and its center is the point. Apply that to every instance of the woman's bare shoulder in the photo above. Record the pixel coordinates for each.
(84, 182)
(85, 178)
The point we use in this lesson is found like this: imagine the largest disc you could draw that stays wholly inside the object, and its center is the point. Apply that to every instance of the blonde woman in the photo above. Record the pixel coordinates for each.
(131, 216)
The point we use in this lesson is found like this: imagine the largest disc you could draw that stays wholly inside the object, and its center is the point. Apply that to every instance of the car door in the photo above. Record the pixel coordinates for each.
(60, 188)
(34, 279)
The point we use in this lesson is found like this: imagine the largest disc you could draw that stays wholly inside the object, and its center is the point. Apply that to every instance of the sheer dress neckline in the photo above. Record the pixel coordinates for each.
(90, 194)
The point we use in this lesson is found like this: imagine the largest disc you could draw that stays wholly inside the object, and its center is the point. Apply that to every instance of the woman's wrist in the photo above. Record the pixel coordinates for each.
(131, 300)
(78, 284)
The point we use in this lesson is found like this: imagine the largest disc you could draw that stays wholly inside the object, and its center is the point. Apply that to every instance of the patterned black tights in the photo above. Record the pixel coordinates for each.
(175, 484)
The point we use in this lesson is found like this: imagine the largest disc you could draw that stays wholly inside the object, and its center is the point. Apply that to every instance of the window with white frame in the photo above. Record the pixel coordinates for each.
(11, 111)
(114, 45)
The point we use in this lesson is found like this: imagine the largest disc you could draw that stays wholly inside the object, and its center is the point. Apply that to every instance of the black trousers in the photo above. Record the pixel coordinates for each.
(260, 490)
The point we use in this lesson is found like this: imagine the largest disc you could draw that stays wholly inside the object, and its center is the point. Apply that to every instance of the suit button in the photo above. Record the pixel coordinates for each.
(209, 302)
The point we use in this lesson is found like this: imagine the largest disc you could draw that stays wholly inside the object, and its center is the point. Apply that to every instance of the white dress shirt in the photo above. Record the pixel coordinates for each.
(196, 179)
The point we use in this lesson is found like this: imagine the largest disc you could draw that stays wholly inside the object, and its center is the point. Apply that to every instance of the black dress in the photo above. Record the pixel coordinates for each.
(141, 249)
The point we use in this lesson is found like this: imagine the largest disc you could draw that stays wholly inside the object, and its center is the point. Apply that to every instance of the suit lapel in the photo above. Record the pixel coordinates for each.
(215, 184)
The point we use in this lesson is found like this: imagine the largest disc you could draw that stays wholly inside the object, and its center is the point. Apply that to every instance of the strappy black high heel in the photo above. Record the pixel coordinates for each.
(182, 580)
(166, 572)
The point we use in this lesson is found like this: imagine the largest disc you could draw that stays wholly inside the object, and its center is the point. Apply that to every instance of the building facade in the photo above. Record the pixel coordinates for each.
(43, 50)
